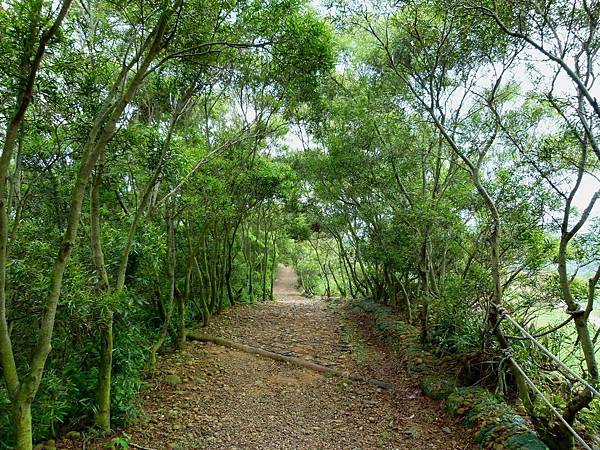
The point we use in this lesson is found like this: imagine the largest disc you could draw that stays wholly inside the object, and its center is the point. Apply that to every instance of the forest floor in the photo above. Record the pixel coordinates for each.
(212, 397)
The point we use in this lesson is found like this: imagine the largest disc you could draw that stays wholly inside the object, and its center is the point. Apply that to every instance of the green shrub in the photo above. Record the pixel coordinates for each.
(455, 325)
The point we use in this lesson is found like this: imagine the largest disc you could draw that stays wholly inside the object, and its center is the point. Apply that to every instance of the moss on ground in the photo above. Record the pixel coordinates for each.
(496, 425)
(438, 387)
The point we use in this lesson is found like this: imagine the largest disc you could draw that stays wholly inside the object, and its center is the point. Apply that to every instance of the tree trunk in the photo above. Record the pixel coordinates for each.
(180, 303)
(101, 132)
(347, 270)
(407, 304)
(23, 430)
(21, 395)
(474, 171)
(229, 268)
(340, 289)
(343, 273)
(265, 261)
(221, 275)
(103, 390)
(203, 294)
(250, 264)
(208, 284)
(182, 300)
(214, 301)
(321, 266)
(273, 261)
(102, 416)
(171, 266)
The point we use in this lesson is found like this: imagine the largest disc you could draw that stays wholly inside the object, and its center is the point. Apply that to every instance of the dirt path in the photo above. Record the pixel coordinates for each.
(228, 399)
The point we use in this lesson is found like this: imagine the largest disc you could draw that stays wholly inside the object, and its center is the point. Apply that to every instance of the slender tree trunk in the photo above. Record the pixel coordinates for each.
(182, 301)
(229, 269)
(366, 286)
(265, 260)
(22, 392)
(335, 281)
(346, 270)
(425, 300)
(342, 270)
(103, 390)
(353, 276)
(273, 262)
(321, 266)
(581, 318)
(15, 179)
(214, 261)
(171, 266)
(209, 284)
(204, 294)
(425, 296)
(102, 131)
(23, 429)
(474, 171)
(250, 268)
(221, 251)
(407, 303)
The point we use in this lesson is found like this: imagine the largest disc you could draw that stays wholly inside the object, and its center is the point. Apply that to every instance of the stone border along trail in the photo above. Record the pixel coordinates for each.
(213, 397)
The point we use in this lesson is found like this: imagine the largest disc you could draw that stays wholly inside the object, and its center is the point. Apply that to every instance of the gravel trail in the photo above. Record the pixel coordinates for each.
(211, 397)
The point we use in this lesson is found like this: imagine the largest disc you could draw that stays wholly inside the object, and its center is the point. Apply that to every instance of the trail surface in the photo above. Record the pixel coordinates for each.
(228, 399)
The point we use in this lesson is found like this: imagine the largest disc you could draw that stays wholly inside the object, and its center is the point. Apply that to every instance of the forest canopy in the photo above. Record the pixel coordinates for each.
(160, 158)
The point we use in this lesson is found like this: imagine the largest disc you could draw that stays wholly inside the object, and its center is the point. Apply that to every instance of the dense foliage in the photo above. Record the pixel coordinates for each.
(138, 192)
(160, 157)
(455, 171)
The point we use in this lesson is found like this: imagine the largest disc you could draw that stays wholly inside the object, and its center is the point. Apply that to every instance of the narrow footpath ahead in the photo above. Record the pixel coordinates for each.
(218, 398)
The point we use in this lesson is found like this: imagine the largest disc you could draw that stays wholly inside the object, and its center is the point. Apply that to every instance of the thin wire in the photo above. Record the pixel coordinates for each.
(547, 352)
(545, 333)
(552, 408)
